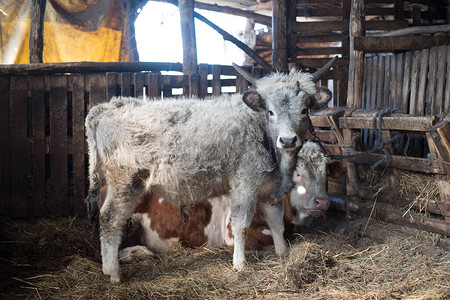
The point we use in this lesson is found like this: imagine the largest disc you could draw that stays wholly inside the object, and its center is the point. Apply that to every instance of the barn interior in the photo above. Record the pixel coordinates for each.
(386, 234)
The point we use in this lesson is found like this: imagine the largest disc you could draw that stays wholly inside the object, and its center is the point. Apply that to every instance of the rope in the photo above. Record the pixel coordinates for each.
(431, 157)
(378, 144)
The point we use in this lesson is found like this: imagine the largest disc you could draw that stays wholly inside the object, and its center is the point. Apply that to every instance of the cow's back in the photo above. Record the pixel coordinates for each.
(191, 149)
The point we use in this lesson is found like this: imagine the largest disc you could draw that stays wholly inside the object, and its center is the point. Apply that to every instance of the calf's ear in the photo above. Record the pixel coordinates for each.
(254, 100)
(336, 169)
(320, 99)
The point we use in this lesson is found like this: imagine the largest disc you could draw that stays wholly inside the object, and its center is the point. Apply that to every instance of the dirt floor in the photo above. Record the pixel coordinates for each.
(56, 259)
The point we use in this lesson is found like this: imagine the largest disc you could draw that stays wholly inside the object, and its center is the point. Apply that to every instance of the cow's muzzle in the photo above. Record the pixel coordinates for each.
(288, 143)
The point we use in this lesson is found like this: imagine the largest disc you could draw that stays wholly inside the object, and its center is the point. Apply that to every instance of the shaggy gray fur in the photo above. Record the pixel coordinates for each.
(188, 150)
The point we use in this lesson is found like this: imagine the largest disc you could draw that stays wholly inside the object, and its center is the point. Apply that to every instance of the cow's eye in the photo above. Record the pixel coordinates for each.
(304, 111)
(270, 113)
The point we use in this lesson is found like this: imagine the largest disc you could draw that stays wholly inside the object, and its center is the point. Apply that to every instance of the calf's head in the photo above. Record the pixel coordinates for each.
(309, 196)
(287, 99)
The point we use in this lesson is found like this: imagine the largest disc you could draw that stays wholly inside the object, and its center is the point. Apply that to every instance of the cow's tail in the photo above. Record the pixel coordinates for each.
(95, 169)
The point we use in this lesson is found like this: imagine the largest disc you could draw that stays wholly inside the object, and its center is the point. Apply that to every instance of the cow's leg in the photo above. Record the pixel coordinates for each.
(273, 214)
(242, 211)
(123, 192)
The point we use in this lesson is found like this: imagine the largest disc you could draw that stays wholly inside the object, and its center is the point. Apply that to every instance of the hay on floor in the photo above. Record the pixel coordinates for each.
(55, 259)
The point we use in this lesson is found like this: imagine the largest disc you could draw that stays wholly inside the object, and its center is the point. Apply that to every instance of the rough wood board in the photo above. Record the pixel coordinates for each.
(216, 84)
(441, 62)
(125, 84)
(19, 159)
(390, 197)
(78, 140)
(399, 162)
(430, 98)
(5, 187)
(406, 86)
(112, 84)
(139, 82)
(58, 202)
(203, 83)
(447, 85)
(439, 143)
(97, 89)
(154, 86)
(412, 220)
(391, 123)
(415, 69)
(39, 208)
(423, 75)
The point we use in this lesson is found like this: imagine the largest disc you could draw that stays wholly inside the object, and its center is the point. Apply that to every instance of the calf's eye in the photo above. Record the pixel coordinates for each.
(270, 113)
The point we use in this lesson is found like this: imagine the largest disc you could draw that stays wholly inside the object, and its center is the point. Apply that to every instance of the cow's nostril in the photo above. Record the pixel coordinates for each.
(288, 142)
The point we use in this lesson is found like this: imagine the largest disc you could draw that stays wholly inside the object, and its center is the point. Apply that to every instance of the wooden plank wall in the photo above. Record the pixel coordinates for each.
(43, 153)
(319, 30)
(415, 82)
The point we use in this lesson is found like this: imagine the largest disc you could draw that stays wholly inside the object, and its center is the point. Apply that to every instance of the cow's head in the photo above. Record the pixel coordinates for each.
(310, 177)
(287, 99)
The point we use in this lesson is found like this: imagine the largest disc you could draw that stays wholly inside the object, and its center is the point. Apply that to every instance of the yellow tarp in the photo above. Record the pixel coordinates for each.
(83, 30)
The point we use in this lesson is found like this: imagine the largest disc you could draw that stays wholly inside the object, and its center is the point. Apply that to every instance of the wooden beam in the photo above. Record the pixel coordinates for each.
(260, 6)
(319, 51)
(128, 48)
(439, 143)
(86, 67)
(387, 196)
(418, 30)
(327, 26)
(390, 123)
(228, 37)
(186, 8)
(261, 19)
(399, 162)
(265, 20)
(279, 34)
(37, 31)
(393, 43)
(414, 220)
(356, 64)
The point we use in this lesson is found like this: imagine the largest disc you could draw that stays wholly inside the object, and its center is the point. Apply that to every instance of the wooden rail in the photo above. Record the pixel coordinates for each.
(43, 157)
(348, 122)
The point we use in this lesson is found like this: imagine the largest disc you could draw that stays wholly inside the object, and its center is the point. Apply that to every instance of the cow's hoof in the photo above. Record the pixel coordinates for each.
(139, 253)
(239, 266)
(115, 278)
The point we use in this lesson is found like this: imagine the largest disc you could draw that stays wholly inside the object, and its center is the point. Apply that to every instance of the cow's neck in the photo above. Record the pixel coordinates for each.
(287, 161)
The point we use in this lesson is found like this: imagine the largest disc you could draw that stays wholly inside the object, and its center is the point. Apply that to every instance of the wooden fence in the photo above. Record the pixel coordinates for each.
(417, 85)
(43, 154)
(413, 82)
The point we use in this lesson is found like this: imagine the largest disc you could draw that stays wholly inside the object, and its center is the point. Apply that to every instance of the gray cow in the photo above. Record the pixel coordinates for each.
(182, 150)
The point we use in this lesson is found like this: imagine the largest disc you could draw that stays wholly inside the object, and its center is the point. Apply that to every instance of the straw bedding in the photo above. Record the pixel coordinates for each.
(56, 259)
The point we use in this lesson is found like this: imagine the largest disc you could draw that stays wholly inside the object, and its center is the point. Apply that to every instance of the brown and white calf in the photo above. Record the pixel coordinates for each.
(159, 225)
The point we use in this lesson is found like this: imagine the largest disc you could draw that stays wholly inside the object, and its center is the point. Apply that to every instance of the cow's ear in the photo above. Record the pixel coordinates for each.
(254, 100)
(336, 169)
(320, 99)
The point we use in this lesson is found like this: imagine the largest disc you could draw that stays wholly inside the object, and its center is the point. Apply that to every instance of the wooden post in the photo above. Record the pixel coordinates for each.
(279, 34)
(128, 47)
(37, 31)
(439, 143)
(356, 64)
(188, 36)
(354, 93)
(399, 8)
